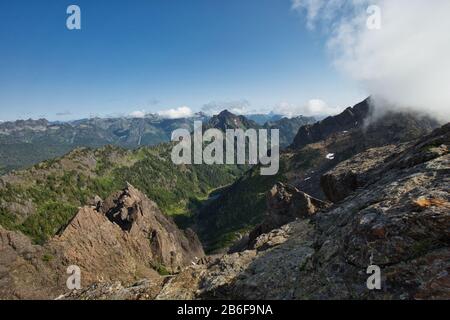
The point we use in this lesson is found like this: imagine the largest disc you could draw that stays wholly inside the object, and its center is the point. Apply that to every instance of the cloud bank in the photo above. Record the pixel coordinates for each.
(240, 107)
(404, 64)
(138, 114)
(181, 112)
(314, 107)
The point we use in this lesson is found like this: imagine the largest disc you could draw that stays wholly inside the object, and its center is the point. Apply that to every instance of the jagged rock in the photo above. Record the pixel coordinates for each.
(96, 202)
(285, 203)
(142, 290)
(250, 274)
(286, 200)
(367, 129)
(126, 239)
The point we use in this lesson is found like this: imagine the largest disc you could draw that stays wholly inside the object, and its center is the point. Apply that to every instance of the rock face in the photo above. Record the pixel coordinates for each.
(25, 273)
(354, 173)
(124, 238)
(367, 130)
(349, 119)
(399, 220)
(285, 204)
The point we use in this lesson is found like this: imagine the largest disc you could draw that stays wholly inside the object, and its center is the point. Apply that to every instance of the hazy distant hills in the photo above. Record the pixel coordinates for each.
(261, 119)
(26, 142)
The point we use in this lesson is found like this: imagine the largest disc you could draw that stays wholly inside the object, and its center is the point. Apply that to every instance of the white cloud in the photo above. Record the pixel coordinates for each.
(63, 113)
(181, 112)
(138, 114)
(240, 107)
(405, 64)
(314, 107)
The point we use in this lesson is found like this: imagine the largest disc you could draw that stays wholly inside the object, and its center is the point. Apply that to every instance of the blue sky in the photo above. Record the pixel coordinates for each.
(156, 54)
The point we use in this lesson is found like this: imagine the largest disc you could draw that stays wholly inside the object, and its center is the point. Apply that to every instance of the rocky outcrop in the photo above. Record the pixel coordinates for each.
(26, 270)
(366, 166)
(124, 238)
(285, 203)
(354, 173)
(268, 271)
(145, 289)
(399, 221)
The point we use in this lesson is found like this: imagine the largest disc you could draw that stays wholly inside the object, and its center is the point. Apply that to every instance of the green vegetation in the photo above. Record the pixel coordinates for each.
(55, 189)
(49, 218)
(47, 257)
(306, 158)
(239, 208)
(161, 269)
(7, 220)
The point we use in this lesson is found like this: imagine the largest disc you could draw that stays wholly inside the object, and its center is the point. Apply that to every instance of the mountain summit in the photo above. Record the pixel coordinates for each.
(227, 120)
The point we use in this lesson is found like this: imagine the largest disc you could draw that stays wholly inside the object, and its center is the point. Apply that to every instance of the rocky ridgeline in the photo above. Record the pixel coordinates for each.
(124, 238)
(366, 127)
(351, 118)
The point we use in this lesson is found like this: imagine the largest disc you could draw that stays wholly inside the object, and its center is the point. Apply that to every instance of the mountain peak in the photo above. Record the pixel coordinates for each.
(226, 113)
(227, 120)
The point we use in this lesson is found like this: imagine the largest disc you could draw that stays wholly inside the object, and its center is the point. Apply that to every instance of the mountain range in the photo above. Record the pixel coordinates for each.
(353, 190)
(24, 143)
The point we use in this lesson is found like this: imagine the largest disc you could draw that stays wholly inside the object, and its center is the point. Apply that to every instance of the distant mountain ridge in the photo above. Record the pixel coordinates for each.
(26, 142)
(350, 118)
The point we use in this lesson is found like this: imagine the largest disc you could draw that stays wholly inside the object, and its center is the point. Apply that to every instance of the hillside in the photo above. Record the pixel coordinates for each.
(242, 205)
(42, 199)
